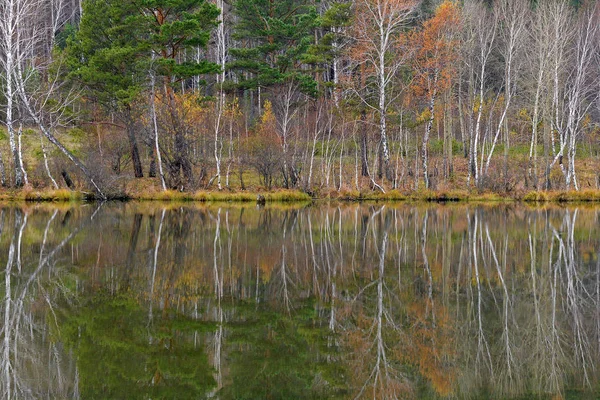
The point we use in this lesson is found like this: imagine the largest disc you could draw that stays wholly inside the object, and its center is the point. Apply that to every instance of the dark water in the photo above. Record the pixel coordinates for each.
(139, 301)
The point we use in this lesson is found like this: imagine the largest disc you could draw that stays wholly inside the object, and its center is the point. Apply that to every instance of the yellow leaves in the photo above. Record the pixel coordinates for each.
(268, 118)
(233, 109)
(191, 108)
(587, 121)
(524, 114)
(182, 113)
(424, 116)
(476, 105)
(266, 130)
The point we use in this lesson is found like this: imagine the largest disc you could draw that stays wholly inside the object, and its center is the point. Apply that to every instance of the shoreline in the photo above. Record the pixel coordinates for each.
(297, 196)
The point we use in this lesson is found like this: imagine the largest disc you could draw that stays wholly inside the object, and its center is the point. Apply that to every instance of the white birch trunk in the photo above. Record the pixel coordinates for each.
(155, 127)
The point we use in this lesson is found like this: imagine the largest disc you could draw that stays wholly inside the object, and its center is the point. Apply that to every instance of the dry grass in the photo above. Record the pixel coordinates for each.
(212, 197)
(417, 196)
(28, 194)
(147, 190)
(587, 195)
(536, 197)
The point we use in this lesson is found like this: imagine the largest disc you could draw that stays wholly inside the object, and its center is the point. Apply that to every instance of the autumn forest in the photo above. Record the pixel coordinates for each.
(119, 98)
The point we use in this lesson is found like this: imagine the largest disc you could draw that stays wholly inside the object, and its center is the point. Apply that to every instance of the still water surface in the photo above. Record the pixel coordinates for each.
(152, 301)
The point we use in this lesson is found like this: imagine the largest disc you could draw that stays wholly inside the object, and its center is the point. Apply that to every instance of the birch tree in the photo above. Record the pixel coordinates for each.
(434, 64)
(378, 25)
(13, 18)
(221, 38)
(538, 70)
(512, 16)
(481, 30)
(578, 93)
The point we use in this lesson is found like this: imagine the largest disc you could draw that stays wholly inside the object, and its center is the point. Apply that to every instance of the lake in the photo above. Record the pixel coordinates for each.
(335, 301)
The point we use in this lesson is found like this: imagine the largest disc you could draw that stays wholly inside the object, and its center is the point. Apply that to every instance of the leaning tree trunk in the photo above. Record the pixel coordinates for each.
(46, 132)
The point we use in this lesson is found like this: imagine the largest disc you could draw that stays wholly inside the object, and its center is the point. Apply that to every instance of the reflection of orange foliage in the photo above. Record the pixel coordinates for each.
(266, 263)
(431, 345)
(188, 285)
(389, 383)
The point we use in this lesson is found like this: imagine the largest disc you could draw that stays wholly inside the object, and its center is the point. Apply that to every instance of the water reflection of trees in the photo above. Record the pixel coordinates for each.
(34, 364)
(354, 301)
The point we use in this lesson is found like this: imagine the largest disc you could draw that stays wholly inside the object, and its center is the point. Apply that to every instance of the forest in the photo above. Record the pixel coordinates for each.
(126, 98)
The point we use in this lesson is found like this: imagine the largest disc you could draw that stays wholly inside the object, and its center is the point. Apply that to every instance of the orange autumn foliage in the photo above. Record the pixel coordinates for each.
(436, 55)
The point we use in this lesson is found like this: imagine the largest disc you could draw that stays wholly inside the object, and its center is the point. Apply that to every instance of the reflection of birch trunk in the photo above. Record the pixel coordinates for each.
(229, 251)
(539, 341)
(7, 328)
(380, 373)
(19, 241)
(597, 301)
(216, 250)
(382, 376)
(401, 255)
(554, 345)
(544, 350)
(483, 350)
(284, 278)
(381, 355)
(427, 269)
(315, 264)
(155, 262)
(331, 271)
(218, 277)
(575, 293)
(507, 308)
(21, 353)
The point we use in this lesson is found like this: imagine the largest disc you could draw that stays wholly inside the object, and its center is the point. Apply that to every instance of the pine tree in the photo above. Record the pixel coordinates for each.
(274, 37)
(104, 57)
(120, 41)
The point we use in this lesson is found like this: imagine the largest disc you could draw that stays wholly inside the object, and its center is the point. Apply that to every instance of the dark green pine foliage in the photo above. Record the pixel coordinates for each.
(173, 26)
(331, 44)
(169, 27)
(274, 37)
(104, 54)
(106, 58)
(119, 41)
(112, 51)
